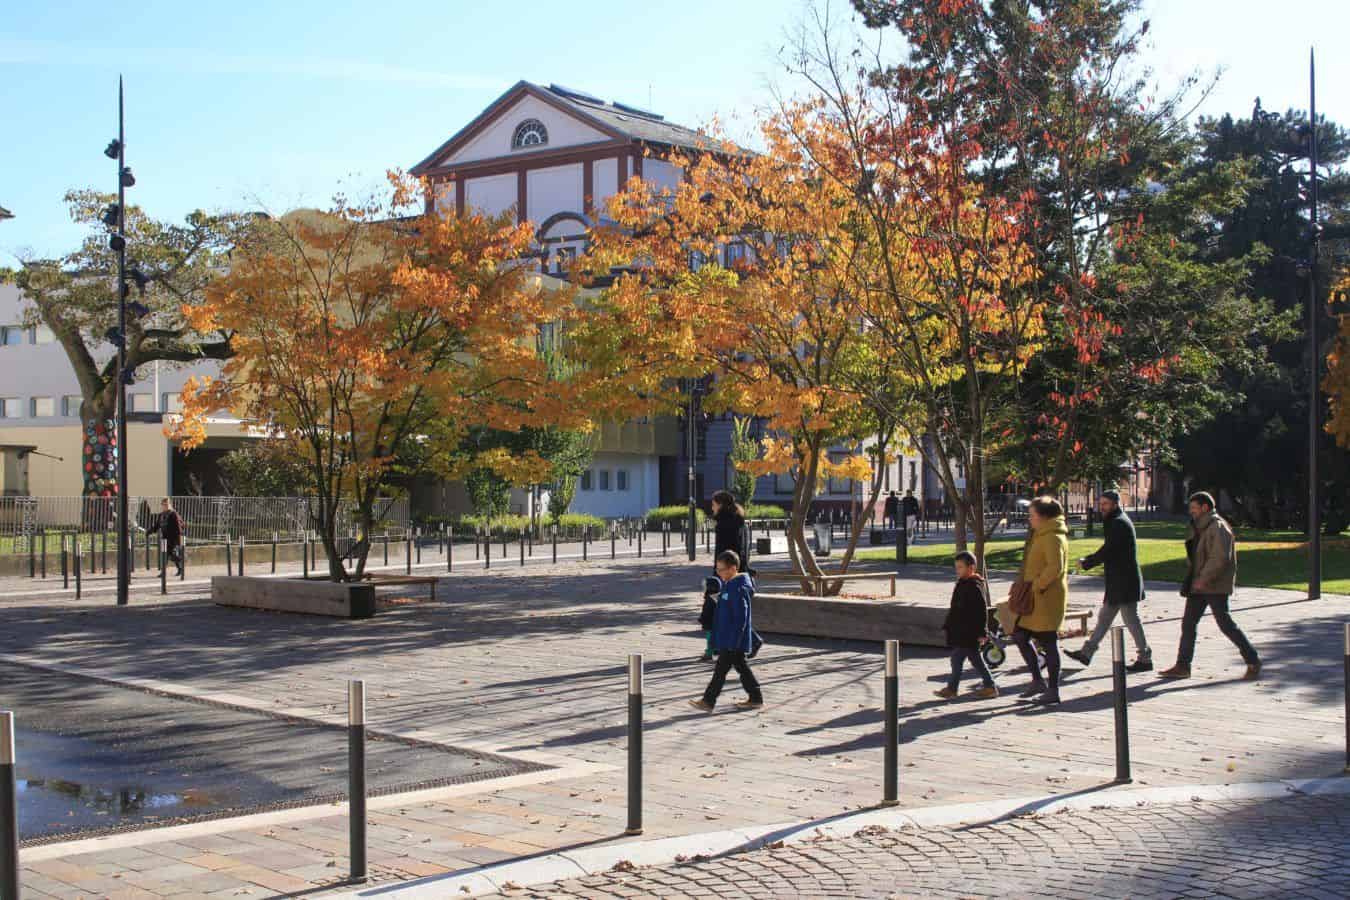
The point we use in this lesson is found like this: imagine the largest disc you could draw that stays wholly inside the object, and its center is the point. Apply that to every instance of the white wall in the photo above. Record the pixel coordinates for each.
(493, 194)
(643, 493)
(495, 140)
(605, 182)
(553, 190)
(661, 174)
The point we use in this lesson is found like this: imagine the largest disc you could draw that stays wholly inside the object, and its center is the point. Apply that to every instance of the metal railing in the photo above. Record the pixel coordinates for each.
(206, 520)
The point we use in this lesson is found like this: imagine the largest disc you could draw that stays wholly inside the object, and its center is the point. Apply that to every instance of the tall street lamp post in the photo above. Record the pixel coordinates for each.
(695, 388)
(1314, 353)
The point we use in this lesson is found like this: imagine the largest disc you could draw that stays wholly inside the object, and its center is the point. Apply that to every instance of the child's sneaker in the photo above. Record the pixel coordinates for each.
(946, 693)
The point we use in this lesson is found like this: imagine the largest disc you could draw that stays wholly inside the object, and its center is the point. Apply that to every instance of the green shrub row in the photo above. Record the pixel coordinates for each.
(675, 516)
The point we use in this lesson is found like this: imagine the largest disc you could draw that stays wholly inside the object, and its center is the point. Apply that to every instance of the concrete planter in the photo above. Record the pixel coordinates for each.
(318, 598)
(860, 620)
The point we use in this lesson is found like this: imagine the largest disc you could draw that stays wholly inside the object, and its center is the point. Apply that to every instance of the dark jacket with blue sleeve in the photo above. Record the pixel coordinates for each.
(732, 629)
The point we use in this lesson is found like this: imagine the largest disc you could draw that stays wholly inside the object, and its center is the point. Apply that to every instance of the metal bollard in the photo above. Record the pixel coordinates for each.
(44, 553)
(891, 795)
(182, 558)
(65, 567)
(585, 541)
(487, 550)
(229, 556)
(147, 548)
(241, 554)
(131, 553)
(407, 547)
(449, 548)
(1122, 721)
(386, 546)
(163, 566)
(1347, 696)
(93, 555)
(613, 543)
(9, 811)
(417, 539)
(274, 553)
(304, 559)
(440, 539)
(902, 545)
(634, 744)
(555, 545)
(477, 539)
(32, 556)
(356, 776)
(76, 565)
(522, 549)
(639, 531)
(105, 551)
(309, 548)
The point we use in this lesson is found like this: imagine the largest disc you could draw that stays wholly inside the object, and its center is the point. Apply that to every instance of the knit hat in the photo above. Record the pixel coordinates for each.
(1113, 496)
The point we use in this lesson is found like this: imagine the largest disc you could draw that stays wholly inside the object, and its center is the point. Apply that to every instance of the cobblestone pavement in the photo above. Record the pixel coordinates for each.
(1281, 848)
(532, 659)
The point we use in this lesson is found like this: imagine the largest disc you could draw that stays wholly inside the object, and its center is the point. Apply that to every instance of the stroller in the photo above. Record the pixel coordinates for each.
(995, 650)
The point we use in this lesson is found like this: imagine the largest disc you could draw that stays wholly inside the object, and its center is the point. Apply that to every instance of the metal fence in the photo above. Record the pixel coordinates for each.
(205, 519)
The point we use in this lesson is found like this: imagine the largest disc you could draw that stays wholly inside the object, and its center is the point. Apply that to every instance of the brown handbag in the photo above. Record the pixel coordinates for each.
(1021, 598)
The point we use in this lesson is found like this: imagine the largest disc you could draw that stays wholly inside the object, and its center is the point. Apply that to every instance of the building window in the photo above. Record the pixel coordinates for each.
(604, 479)
(70, 405)
(784, 484)
(530, 133)
(586, 480)
(621, 479)
(11, 335)
(142, 402)
(736, 253)
(10, 408)
(41, 407)
(43, 335)
(171, 402)
(697, 260)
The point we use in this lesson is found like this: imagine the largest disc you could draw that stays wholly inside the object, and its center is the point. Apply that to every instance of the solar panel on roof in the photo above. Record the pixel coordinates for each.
(579, 95)
(639, 111)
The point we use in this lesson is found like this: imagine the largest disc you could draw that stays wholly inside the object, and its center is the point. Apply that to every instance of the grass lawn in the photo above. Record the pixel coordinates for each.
(1271, 559)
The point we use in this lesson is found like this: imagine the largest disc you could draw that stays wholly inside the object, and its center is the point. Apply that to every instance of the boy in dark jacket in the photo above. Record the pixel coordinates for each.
(733, 635)
(967, 626)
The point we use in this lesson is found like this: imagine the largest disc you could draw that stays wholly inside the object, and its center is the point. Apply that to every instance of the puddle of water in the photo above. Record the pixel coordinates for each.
(92, 791)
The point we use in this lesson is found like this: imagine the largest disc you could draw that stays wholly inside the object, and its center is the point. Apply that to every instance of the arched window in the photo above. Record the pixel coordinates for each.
(530, 133)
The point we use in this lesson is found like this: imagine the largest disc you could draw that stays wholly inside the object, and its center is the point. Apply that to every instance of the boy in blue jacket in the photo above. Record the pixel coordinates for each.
(732, 634)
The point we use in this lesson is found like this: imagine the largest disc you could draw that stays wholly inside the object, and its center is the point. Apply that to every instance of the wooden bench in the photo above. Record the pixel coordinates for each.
(1082, 614)
(818, 581)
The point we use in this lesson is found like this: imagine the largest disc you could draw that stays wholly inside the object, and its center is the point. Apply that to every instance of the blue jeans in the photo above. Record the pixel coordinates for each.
(959, 657)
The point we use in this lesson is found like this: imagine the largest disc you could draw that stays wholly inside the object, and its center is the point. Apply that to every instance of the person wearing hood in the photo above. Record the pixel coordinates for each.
(1045, 566)
(1119, 554)
(733, 635)
(967, 627)
(1211, 551)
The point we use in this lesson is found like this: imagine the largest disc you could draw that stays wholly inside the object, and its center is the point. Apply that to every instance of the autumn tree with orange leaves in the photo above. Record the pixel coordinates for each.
(362, 339)
(745, 271)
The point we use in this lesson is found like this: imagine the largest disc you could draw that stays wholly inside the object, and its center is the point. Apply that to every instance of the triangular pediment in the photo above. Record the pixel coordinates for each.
(492, 134)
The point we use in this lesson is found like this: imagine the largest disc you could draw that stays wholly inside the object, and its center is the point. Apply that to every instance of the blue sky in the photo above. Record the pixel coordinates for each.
(280, 104)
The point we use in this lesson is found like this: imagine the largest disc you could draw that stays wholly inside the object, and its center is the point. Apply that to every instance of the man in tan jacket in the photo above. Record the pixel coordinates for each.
(1212, 553)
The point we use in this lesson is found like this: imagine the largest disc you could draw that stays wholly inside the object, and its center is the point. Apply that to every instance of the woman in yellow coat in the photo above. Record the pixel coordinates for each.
(1046, 566)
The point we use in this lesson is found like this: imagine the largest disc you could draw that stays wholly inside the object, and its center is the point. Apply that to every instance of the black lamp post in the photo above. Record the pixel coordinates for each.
(694, 386)
(117, 151)
(1314, 353)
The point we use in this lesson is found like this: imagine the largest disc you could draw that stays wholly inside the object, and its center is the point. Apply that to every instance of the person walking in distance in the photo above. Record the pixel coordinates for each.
(729, 532)
(733, 635)
(891, 511)
(1119, 555)
(1045, 567)
(170, 527)
(909, 508)
(1212, 553)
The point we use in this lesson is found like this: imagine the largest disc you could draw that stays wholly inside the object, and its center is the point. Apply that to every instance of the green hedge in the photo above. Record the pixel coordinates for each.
(581, 520)
(765, 511)
(674, 515)
(518, 524)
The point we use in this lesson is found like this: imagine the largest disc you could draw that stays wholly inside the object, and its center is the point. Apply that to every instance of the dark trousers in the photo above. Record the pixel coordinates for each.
(959, 657)
(1049, 641)
(175, 555)
(1218, 605)
(726, 661)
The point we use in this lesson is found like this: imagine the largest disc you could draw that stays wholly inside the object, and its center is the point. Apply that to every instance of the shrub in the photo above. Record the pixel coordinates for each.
(581, 520)
(765, 511)
(509, 524)
(675, 515)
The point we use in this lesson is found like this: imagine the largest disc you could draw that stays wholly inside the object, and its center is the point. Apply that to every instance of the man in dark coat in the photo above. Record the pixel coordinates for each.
(909, 508)
(890, 511)
(1119, 554)
(170, 527)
